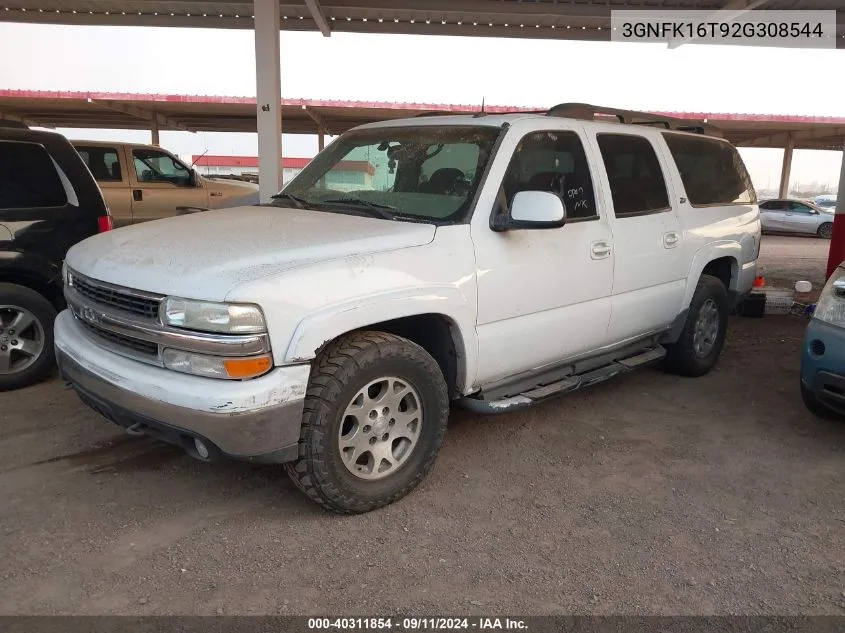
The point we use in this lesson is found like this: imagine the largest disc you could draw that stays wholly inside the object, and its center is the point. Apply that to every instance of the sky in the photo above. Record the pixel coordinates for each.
(432, 69)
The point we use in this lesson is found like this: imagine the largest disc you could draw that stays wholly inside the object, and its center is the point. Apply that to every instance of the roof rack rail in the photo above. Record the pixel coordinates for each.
(588, 112)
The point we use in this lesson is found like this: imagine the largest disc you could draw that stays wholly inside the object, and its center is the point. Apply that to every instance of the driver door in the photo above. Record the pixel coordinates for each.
(162, 186)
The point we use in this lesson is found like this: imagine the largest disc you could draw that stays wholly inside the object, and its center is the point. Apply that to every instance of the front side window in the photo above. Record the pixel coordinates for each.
(28, 177)
(102, 162)
(799, 207)
(155, 166)
(427, 173)
(712, 171)
(636, 180)
(553, 161)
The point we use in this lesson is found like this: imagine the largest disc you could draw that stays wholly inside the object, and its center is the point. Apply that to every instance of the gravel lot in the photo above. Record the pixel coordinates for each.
(651, 494)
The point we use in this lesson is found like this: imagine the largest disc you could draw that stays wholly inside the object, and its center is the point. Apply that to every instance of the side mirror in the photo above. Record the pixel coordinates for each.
(533, 210)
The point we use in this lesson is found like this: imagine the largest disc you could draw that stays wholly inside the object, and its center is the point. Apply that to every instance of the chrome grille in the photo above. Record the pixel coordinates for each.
(128, 343)
(109, 296)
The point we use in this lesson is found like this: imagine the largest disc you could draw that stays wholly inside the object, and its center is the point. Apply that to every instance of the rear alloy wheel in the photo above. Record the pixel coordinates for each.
(26, 337)
(825, 230)
(376, 411)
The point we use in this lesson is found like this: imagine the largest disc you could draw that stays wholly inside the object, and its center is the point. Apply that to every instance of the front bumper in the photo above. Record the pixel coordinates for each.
(256, 420)
(823, 364)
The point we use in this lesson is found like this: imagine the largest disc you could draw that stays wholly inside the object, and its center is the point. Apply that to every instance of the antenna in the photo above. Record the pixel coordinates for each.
(482, 106)
(198, 157)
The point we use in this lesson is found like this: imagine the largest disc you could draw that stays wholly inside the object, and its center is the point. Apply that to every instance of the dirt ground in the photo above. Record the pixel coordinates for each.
(650, 494)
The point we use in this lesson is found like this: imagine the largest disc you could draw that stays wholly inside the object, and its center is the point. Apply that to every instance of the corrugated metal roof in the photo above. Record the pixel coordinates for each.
(549, 19)
(238, 114)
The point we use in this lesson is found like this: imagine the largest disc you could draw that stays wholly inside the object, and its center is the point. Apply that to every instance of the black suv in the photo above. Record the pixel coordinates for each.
(49, 201)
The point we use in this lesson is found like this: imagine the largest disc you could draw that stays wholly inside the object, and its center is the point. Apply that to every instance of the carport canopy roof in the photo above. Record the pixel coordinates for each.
(550, 19)
(196, 113)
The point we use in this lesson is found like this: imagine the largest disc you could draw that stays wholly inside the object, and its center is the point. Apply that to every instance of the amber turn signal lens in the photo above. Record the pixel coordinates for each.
(247, 367)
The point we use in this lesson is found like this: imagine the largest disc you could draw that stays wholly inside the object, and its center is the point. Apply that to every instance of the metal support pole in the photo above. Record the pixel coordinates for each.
(783, 192)
(837, 240)
(269, 97)
(321, 137)
(154, 132)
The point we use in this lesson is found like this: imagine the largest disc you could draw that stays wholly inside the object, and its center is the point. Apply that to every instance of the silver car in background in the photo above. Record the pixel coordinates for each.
(796, 216)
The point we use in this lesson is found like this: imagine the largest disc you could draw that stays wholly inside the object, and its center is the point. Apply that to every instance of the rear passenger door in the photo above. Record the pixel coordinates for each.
(105, 164)
(649, 272)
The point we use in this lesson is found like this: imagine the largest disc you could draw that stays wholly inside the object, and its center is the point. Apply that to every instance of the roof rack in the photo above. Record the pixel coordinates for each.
(479, 113)
(589, 112)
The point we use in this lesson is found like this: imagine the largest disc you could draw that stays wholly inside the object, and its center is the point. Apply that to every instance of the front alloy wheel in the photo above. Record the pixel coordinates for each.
(380, 428)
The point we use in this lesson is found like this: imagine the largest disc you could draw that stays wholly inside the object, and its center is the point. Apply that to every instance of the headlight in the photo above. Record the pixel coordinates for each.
(830, 307)
(216, 366)
(206, 316)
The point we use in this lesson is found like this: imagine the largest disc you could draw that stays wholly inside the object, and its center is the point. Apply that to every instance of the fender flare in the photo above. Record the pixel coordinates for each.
(325, 325)
(713, 251)
(716, 250)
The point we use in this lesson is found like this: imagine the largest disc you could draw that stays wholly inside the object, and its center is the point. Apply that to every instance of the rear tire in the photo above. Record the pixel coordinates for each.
(697, 349)
(26, 349)
(825, 231)
(376, 411)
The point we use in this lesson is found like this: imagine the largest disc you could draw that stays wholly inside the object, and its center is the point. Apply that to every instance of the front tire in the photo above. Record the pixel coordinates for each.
(376, 411)
(703, 336)
(26, 337)
(825, 231)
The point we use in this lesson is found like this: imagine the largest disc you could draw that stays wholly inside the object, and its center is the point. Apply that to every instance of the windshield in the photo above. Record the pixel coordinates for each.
(427, 173)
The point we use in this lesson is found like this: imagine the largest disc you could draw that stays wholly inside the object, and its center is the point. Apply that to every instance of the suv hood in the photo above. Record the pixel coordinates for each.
(206, 255)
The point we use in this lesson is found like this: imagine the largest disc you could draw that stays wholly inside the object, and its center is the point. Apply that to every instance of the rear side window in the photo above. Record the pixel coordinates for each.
(636, 179)
(102, 162)
(712, 171)
(28, 177)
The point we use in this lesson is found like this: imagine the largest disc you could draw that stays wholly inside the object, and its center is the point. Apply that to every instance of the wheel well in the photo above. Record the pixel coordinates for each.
(51, 292)
(723, 269)
(435, 333)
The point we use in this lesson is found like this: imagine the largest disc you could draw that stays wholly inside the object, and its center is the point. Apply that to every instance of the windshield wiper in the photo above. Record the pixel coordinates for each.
(379, 210)
(301, 203)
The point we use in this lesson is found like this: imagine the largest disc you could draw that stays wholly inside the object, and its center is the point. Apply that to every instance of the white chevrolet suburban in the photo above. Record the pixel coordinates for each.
(494, 260)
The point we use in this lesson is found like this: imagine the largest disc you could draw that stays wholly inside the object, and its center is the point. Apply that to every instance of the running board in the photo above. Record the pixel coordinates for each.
(566, 385)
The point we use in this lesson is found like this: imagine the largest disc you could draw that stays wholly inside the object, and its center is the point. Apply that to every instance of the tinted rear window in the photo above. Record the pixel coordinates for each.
(712, 171)
(28, 177)
(633, 171)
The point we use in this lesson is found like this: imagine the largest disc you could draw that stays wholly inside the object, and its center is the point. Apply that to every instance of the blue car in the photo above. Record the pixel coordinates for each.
(823, 352)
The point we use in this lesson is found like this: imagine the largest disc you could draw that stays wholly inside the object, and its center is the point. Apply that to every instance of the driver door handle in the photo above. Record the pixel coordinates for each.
(137, 195)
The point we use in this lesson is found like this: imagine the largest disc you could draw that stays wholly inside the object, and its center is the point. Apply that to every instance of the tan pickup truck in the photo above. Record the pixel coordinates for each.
(144, 182)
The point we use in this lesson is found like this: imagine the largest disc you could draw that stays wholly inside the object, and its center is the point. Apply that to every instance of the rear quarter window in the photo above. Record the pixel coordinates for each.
(28, 177)
(712, 171)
